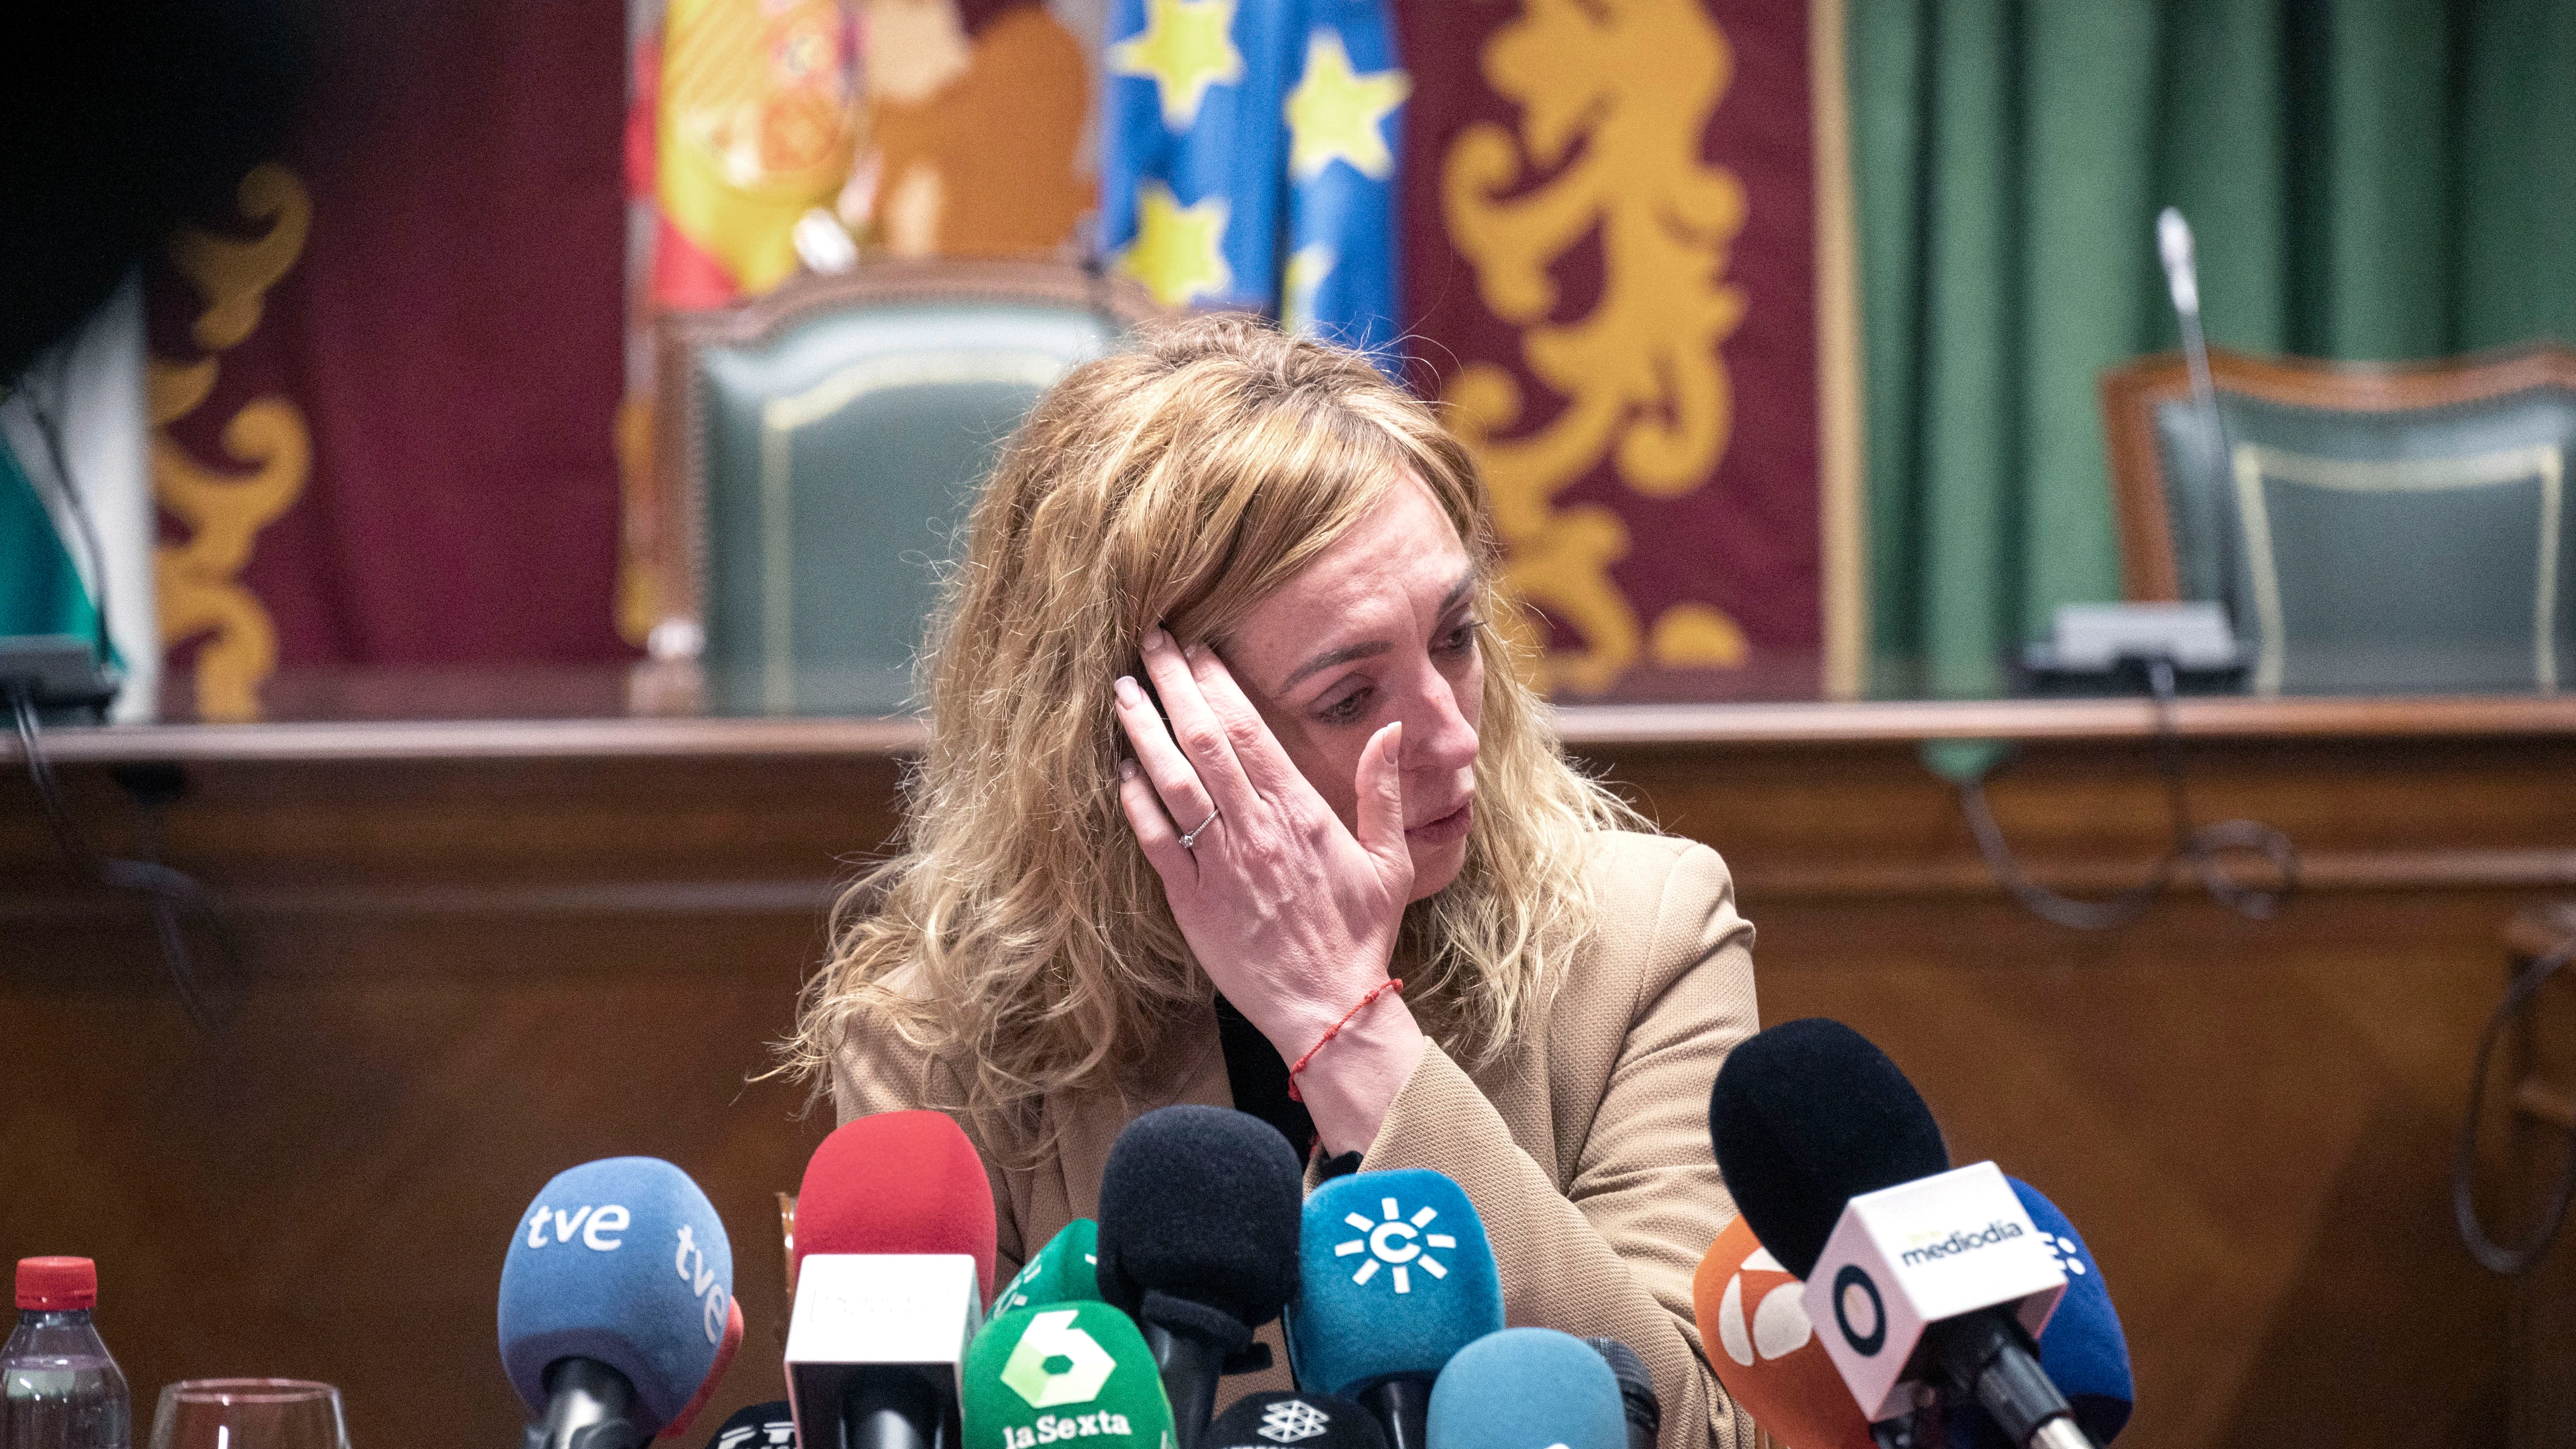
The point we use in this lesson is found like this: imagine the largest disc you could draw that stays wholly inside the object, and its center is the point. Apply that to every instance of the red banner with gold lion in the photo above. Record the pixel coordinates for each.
(1612, 251)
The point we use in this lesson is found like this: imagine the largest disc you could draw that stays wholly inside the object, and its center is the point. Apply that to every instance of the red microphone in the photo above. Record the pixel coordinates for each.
(893, 1264)
(897, 1182)
(1756, 1334)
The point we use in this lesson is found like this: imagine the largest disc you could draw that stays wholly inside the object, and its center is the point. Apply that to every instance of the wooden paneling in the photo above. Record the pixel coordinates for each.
(471, 973)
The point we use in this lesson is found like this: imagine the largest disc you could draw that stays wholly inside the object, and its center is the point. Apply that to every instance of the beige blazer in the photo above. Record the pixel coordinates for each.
(1585, 1148)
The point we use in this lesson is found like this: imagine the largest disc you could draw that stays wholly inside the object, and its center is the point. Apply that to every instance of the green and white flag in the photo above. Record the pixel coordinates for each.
(55, 574)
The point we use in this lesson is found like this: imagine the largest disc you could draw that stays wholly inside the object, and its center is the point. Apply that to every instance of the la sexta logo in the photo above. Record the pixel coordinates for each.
(1055, 1362)
(1398, 1244)
(1778, 1325)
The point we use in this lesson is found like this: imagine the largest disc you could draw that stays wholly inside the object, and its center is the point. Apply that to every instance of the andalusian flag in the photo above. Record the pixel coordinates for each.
(58, 566)
(1251, 158)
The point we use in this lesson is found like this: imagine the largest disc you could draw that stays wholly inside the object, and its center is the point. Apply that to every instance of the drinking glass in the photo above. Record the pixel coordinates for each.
(249, 1414)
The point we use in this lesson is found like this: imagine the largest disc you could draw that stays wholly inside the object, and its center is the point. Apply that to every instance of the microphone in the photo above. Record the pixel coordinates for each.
(1841, 1172)
(1198, 1243)
(1526, 1387)
(2082, 1350)
(1077, 1373)
(2182, 282)
(1394, 1277)
(897, 1182)
(1758, 1338)
(617, 1316)
(1275, 1420)
(1066, 1270)
(894, 1256)
(1637, 1396)
(758, 1426)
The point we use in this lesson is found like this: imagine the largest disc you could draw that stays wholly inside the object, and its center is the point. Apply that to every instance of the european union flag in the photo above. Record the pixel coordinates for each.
(1251, 159)
(1345, 133)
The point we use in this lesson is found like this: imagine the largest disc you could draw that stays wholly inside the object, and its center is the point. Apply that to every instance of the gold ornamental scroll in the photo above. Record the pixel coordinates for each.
(198, 578)
(1613, 101)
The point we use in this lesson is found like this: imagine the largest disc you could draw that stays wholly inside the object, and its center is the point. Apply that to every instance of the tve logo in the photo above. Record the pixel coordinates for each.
(593, 1226)
(701, 1281)
(1398, 1243)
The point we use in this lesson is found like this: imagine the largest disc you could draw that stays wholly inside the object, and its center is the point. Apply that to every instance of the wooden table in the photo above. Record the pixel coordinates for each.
(484, 950)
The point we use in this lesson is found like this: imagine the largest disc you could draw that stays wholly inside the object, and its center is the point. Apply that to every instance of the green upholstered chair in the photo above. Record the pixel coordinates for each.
(816, 449)
(2374, 529)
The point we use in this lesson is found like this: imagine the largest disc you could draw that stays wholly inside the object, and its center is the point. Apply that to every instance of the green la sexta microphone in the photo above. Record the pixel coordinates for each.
(1066, 1270)
(1075, 1373)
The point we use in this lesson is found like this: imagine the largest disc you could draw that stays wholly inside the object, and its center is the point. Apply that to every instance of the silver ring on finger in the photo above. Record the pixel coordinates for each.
(1192, 839)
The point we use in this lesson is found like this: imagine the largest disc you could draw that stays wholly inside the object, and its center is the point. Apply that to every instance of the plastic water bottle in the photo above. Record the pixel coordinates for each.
(59, 1389)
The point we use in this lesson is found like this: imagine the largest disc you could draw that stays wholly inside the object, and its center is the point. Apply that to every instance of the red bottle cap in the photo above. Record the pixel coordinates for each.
(53, 1283)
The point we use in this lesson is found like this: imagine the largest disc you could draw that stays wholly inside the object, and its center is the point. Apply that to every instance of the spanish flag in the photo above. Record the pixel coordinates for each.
(756, 122)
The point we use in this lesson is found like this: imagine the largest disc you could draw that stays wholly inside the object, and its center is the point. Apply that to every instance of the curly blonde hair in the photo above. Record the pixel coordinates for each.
(1179, 483)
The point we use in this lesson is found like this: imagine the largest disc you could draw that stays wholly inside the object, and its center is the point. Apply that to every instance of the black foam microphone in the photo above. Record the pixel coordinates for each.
(1636, 1391)
(1276, 1420)
(1809, 1115)
(1200, 1209)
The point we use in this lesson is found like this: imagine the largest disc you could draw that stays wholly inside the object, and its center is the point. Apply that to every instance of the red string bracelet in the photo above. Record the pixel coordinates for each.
(1389, 984)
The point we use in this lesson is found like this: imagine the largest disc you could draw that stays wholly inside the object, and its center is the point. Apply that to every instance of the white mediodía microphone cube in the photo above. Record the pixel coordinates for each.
(863, 1313)
(1909, 1256)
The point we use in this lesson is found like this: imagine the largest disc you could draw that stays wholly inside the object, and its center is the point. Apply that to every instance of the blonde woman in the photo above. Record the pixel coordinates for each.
(1222, 745)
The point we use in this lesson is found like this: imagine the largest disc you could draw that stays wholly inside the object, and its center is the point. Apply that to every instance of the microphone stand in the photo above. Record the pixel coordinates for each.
(589, 1405)
(1189, 1364)
(1402, 1406)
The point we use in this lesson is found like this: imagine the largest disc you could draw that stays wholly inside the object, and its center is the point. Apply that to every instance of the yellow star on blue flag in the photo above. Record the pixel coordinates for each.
(1179, 251)
(1224, 124)
(1347, 106)
(1192, 197)
(1186, 47)
(1336, 114)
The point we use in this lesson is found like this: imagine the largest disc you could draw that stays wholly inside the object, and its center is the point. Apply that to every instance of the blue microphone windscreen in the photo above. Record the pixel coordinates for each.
(1394, 1276)
(623, 1261)
(2082, 1350)
(1527, 1388)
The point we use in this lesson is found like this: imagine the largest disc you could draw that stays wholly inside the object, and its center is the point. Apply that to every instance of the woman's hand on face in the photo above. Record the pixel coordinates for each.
(1289, 912)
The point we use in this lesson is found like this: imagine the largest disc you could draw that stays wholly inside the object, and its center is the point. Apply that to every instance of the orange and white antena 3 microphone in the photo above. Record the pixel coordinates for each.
(1919, 1253)
(1753, 1324)
(1840, 1170)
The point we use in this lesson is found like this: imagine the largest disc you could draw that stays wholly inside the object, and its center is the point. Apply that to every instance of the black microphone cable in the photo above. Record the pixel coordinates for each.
(2522, 1257)
(2200, 846)
(171, 893)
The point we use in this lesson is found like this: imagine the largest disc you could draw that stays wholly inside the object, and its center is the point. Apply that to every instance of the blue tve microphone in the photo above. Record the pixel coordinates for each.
(1394, 1278)
(617, 1315)
(1527, 1388)
(2082, 1350)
